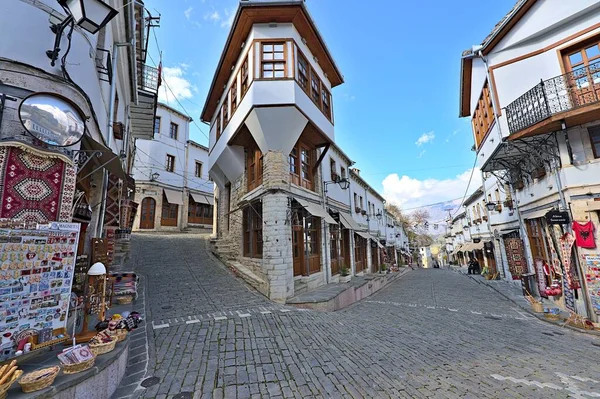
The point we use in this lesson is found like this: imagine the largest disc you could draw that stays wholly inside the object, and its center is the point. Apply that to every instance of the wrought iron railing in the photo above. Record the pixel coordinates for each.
(559, 94)
(147, 77)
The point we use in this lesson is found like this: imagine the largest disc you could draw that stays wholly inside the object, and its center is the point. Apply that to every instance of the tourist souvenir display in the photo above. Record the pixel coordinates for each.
(36, 272)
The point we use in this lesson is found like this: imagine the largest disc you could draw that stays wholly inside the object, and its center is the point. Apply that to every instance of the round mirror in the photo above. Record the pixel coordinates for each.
(52, 119)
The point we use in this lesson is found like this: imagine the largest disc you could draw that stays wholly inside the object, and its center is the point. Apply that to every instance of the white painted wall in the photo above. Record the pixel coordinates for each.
(151, 155)
(200, 154)
(18, 17)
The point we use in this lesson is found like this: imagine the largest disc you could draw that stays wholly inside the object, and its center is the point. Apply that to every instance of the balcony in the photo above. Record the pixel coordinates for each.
(573, 98)
(142, 113)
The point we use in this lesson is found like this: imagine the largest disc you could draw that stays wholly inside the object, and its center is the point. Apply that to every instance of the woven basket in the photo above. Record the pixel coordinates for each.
(4, 387)
(537, 307)
(123, 300)
(101, 349)
(78, 367)
(121, 335)
(551, 316)
(38, 379)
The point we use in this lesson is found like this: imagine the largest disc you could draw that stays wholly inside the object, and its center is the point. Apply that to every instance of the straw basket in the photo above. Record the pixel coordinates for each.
(121, 335)
(537, 307)
(38, 379)
(123, 300)
(4, 387)
(79, 367)
(551, 316)
(101, 349)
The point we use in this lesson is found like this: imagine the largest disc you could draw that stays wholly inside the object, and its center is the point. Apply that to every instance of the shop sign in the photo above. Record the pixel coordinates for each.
(557, 217)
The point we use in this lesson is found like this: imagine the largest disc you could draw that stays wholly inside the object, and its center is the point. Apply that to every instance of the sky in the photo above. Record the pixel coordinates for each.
(396, 115)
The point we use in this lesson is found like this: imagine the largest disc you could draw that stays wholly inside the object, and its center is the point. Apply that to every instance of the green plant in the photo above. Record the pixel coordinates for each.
(384, 267)
(345, 271)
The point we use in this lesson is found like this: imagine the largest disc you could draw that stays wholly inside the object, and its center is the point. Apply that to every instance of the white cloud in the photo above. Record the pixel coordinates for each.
(188, 13)
(425, 138)
(181, 88)
(228, 20)
(421, 154)
(409, 192)
(213, 16)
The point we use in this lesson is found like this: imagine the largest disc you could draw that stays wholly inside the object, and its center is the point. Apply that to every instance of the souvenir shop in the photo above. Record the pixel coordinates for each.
(65, 218)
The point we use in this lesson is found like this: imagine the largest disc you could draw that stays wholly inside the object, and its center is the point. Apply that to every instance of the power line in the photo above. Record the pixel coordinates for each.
(468, 184)
(414, 170)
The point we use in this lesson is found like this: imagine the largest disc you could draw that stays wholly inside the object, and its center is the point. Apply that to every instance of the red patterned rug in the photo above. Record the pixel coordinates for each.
(34, 186)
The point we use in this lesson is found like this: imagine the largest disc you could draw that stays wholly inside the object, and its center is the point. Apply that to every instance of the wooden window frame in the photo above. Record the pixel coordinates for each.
(325, 101)
(297, 161)
(537, 239)
(333, 169)
(317, 95)
(244, 78)
(171, 135)
(302, 63)
(273, 61)
(254, 168)
(233, 95)
(171, 211)
(483, 116)
(225, 111)
(594, 130)
(219, 131)
(170, 163)
(252, 246)
(342, 172)
(198, 169)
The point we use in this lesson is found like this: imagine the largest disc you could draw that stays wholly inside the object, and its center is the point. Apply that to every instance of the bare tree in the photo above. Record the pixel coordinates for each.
(415, 224)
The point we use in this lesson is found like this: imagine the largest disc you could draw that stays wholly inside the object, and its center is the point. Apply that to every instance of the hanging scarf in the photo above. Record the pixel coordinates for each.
(566, 246)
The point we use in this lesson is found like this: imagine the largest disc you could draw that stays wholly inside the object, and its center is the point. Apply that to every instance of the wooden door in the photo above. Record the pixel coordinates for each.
(298, 250)
(374, 258)
(583, 66)
(147, 213)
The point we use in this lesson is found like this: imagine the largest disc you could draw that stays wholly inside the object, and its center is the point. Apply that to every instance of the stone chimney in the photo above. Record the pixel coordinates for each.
(356, 171)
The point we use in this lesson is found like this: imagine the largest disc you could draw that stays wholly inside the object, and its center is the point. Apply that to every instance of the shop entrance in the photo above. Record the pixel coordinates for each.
(147, 213)
(374, 257)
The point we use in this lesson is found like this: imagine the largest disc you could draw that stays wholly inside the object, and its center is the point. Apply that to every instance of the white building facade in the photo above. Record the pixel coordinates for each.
(531, 89)
(173, 190)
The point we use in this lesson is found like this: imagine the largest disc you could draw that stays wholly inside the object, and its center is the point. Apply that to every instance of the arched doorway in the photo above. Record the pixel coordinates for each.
(147, 213)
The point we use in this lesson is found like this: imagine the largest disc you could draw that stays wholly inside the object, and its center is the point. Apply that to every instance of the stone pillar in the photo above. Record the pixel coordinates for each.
(277, 247)
(352, 246)
(369, 256)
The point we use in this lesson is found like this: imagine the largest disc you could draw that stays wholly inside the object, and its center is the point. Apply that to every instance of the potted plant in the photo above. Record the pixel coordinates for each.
(384, 268)
(334, 176)
(539, 172)
(519, 184)
(357, 209)
(363, 212)
(499, 207)
(508, 203)
(485, 218)
(345, 274)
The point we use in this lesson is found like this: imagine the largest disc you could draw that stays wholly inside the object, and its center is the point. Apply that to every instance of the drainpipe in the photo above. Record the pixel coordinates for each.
(325, 229)
(109, 135)
(522, 229)
(351, 242)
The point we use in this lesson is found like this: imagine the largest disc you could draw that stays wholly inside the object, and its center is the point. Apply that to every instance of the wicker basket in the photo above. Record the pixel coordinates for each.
(38, 379)
(78, 367)
(551, 316)
(121, 335)
(123, 300)
(537, 307)
(101, 349)
(4, 387)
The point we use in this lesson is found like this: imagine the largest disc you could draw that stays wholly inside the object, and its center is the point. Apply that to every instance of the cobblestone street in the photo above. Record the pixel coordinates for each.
(433, 333)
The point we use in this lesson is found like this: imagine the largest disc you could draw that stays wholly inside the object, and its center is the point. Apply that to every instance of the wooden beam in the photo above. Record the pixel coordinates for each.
(321, 158)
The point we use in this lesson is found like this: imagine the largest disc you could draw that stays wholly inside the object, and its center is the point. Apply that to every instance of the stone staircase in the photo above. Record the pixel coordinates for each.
(300, 287)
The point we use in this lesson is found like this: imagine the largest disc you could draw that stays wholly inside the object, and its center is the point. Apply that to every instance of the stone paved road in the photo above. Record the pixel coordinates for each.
(433, 333)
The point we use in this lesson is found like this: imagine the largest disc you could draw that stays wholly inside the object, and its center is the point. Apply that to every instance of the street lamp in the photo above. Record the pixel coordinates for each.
(90, 15)
(490, 206)
(379, 215)
(154, 176)
(344, 183)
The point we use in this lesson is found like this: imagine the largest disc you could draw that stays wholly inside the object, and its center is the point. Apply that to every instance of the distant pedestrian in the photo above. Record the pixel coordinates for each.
(473, 267)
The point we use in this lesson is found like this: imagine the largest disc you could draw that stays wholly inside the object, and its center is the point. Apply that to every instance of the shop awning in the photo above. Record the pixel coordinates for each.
(363, 234)
(349, 222)
(537, 214)
(467, 247)
(380, 245)
(316, 210)
(108, 159)
(477, 246)
(173, 197)
(201, 198)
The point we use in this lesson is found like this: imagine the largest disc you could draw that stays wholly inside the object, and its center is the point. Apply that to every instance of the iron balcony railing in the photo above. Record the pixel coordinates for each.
(550, 97)
(147, 77)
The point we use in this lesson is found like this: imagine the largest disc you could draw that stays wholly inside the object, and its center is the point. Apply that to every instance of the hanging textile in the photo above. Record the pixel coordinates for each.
(35, 186)
(584, 233)
(566, 246)
(113, 194)
(516, 256)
